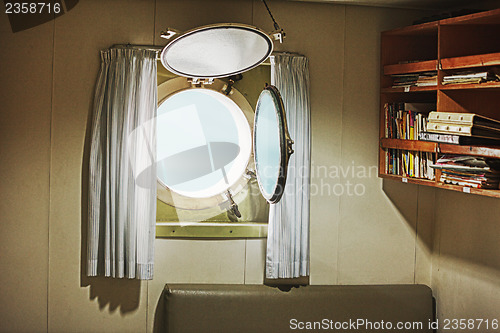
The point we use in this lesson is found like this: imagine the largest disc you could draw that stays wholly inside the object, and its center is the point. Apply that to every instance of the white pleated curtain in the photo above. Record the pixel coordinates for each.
(288, 231)
(122, 179)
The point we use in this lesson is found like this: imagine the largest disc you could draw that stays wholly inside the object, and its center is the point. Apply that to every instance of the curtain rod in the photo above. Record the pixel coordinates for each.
(287, 53)
(139, 47)
(154, 48)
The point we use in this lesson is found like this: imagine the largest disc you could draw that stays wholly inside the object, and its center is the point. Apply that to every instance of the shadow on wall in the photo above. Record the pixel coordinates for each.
(30, 14)
(466, 226)
(159, 325)
(404, 197)
(115, 293)
(469, 228)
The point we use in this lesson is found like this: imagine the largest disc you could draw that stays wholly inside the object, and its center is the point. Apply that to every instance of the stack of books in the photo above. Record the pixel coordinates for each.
(406, 120)
(461, 128)
(423, 79)
(427, 79)
(468, 77)
(476, 172)
(404, 80)
(416, 164)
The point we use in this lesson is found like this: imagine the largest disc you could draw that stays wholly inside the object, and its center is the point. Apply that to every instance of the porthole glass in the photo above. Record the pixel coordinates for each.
(218, 50)
(204, 143)
(272, 144)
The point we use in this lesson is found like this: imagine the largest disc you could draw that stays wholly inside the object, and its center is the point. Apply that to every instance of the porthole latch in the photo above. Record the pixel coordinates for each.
(233, 206)
(226, 90)
(289, 144)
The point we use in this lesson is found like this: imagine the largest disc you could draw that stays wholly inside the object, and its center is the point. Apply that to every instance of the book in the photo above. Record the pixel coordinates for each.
(463, 124)
(463, 119)
(406, 163)
(455, 139)
(423, 79)
(406, 120)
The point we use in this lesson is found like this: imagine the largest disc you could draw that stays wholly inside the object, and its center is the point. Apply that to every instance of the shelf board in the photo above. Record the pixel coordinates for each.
(428, 28)
(432, 183)
(443, 148)
(413, 145)
(480, 60)
(486, 17)
(412, 67)
(470, 86)
(471, 190)
(411, 89)
(489, 152)
(410, 180)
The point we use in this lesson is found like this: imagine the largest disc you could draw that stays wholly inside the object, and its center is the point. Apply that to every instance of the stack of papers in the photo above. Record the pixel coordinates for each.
(423, 79)
(469, 171)
(471, 77)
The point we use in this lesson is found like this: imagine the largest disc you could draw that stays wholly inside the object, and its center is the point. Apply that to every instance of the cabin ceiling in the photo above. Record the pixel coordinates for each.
(414, 4)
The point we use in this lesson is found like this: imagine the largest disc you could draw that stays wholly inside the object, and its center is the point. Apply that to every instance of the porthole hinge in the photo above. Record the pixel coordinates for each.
(250, 174)
(278, 35)
(169, 33)
(197, 82)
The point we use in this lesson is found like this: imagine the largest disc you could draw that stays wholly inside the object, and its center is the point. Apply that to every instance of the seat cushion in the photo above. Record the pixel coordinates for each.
(259, 308)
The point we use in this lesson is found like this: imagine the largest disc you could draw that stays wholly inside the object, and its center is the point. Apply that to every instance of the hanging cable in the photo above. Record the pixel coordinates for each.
(276, 25)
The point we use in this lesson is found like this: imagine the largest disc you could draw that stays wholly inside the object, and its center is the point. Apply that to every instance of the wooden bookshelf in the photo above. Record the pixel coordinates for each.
(473, 61)
(485, 85)
(456, 188)
(413, 67)
(414, 145)
(409, 89)
(446, 46)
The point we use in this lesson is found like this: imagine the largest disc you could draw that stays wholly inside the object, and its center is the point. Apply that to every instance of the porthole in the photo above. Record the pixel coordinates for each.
(205, 155)
(204, 143)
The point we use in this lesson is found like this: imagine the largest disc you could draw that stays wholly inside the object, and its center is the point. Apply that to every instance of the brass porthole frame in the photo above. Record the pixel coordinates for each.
(214, 230)
(173, 86)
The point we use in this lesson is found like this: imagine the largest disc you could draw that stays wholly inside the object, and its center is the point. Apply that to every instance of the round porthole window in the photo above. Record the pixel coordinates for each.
(204, 143)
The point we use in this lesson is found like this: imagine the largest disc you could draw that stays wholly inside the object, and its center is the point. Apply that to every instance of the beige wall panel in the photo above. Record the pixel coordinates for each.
(377, 235)
(377, 231)
(255, 261)
(466, 270)
(193, 261)
(424, 246)
(465, 289)
(317, 31)
(25, 99)
(188, 14)
(75, 302)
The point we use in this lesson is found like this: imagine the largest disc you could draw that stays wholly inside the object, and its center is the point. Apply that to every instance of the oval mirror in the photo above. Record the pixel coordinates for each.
(272, 144)
(217, 50)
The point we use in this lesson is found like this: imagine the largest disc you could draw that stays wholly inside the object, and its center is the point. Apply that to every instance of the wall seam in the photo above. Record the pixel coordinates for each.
(416, 239)
(245, 266)
(253, 20)
(50, 166)
(154, 21)
(337, 278)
